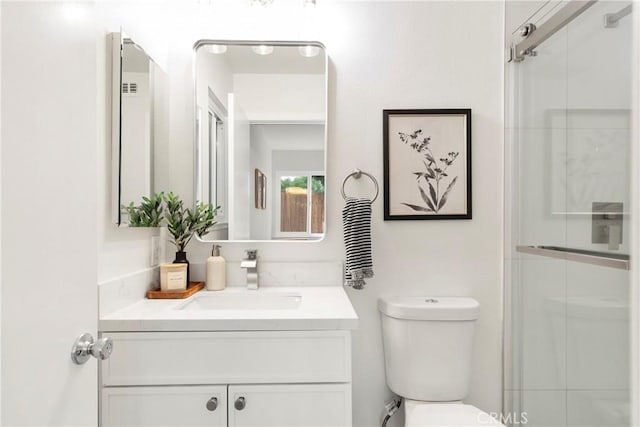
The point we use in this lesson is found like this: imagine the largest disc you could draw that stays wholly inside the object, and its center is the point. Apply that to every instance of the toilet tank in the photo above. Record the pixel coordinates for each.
(428, 344)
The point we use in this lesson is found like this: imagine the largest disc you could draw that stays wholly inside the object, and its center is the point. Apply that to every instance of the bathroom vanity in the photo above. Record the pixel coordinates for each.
(277, 356)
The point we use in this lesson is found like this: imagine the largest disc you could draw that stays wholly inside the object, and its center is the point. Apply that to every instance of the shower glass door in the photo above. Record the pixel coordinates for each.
(568, 282)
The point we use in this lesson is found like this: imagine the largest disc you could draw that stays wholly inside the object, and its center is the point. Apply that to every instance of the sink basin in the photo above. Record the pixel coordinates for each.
(251, 300)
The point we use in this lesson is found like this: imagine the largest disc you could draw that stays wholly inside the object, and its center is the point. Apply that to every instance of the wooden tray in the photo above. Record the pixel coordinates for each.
(192, 288)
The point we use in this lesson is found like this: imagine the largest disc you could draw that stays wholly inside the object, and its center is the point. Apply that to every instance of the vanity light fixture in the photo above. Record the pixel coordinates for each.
(309, 3)
(309, 51)
(261, 2)
(262, 49)
(216, 48)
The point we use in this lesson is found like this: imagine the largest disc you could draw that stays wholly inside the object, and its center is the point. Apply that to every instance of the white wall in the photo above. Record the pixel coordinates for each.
(240, 173)
(387, 55)
(136, 140)
(213, 73)
(261, 159)
(276, 97)
(161, 144)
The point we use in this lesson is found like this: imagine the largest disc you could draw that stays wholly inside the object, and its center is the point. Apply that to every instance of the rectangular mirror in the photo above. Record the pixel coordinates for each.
(140, 124)
(260, 138)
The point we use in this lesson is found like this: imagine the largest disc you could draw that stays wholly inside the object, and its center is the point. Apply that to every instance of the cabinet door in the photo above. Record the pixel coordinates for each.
(164, 406)
(294, 405)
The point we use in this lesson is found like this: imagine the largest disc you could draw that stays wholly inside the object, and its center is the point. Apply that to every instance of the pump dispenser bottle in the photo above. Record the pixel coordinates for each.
(216, 270)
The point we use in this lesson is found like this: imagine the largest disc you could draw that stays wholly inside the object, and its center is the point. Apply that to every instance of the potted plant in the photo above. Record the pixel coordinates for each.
(183, 222)
(148, 214)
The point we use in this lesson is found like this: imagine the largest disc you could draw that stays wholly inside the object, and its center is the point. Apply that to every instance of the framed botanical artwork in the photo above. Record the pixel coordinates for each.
(427, 164)
(260, 184)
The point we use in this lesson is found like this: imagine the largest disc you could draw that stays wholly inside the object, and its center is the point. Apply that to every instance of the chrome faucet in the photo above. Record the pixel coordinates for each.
(251, 264)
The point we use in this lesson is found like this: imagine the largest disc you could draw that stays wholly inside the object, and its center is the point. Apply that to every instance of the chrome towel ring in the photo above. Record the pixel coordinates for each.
(357, 173)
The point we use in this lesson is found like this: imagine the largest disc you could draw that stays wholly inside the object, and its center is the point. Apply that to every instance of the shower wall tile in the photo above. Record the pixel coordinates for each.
(598, 408)
(587, 280)
(542, 84)
(598, 318)
(544, 408)
(541, 194)
(599, 118)
(599, 55)
(597, 167)
(597, 171)
(543, 313)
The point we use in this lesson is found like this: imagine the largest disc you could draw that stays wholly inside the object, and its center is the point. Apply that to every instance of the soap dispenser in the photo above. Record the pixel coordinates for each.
(216, 270)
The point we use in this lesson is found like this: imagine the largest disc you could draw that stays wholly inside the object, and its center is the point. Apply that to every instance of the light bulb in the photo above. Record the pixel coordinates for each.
(262, 49)
(216, 48)
(309, 51)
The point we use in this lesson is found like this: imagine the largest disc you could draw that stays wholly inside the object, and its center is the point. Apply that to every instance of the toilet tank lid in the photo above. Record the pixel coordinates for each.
(429, 308)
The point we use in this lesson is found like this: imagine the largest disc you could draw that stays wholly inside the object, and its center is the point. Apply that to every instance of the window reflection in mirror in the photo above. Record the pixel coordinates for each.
(265, 112)
(301, 204)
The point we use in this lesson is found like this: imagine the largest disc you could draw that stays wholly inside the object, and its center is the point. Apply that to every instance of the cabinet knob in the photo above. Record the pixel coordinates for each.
(240, 404)
(212, 404)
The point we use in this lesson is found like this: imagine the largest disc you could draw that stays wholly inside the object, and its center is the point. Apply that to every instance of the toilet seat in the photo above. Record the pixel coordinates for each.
(425, 414)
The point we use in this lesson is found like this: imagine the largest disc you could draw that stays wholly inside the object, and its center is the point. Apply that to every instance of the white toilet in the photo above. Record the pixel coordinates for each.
(428, 350)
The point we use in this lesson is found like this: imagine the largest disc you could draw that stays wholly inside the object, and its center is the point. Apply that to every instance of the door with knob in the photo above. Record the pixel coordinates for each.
(165, 406)
(289, 405)
(50, 211)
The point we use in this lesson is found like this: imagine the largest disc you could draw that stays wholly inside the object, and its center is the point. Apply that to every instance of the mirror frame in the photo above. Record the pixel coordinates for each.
(196, 166)
(115, 42)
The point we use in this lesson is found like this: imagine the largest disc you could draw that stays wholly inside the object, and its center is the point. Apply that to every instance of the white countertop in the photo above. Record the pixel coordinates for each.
(321, 308)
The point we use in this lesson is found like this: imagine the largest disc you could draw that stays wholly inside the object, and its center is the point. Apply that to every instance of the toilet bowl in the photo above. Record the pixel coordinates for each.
(428, 348)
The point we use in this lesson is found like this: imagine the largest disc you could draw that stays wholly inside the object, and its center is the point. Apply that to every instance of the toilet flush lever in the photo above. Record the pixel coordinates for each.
(84, 347)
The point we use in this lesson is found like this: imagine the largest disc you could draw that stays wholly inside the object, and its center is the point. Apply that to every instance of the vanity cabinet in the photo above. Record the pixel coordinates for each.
(289, 405)
(255, 378)
(164, 406)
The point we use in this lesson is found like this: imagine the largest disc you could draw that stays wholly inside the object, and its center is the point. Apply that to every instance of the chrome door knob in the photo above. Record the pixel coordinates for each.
(212, 404)
(84, 347)
(102, 348)
(240, 403)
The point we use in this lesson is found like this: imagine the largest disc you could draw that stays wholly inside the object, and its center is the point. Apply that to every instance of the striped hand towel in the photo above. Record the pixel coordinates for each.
(356, 221)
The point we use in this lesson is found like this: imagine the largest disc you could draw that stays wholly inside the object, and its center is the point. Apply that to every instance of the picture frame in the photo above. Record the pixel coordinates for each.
(260, 183)
(427, 164)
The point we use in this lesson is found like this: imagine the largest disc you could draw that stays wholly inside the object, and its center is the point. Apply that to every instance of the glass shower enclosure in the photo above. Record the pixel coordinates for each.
(567, 294)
